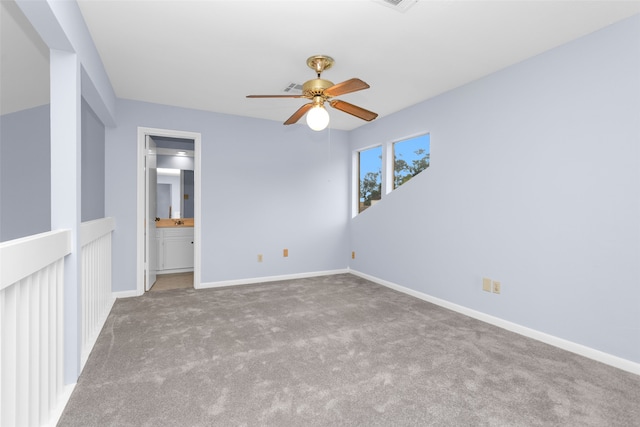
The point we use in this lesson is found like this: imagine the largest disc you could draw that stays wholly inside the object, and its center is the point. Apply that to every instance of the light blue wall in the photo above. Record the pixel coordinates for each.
(92, 165)
(25, 180)
(534, 181)
(265, 187)
(25, 146)
(25, 173)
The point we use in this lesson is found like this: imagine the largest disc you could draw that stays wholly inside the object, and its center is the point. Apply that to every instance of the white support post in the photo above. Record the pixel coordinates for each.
(65, 192)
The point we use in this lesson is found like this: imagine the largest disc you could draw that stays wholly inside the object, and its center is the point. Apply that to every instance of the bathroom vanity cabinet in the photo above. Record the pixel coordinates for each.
(175, 249)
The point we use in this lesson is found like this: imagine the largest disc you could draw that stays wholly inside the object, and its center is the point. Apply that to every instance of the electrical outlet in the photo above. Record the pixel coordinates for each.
(496, 287)
(259, 257)
(486, 284)
(353, 255)
(285, 253)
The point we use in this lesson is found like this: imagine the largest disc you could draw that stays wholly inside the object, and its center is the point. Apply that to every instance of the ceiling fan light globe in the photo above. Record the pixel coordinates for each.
(318, 118)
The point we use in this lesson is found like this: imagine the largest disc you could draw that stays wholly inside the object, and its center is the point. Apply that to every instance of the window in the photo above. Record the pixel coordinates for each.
(410, 157)
(381, 169)
(370, 177)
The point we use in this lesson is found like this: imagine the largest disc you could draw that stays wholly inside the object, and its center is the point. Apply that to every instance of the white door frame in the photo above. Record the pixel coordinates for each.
(197, 203)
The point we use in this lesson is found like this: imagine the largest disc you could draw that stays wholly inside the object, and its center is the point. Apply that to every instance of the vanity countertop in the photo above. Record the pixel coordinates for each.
(171, 222)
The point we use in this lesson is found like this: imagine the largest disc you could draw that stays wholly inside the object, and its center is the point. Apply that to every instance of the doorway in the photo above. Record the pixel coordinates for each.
(149, 261)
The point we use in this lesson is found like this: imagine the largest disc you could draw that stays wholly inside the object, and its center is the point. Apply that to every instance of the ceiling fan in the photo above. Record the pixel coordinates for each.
(319, 90)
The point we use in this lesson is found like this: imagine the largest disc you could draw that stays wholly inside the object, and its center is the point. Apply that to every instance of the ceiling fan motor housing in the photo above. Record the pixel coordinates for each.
(315, 87)
(320, 90)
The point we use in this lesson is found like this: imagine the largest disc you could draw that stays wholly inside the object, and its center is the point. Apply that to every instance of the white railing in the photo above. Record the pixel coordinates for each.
(31, 328)
(97, 300)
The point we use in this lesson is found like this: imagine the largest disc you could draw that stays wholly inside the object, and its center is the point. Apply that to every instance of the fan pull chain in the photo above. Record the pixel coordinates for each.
(329, 151)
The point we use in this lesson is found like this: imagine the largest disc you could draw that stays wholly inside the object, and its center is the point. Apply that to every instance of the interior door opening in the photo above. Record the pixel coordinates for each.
(168, 252)
(174, 212)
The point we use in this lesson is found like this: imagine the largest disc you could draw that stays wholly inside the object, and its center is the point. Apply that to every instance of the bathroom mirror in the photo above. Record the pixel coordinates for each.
(175, 188)
(174, 196)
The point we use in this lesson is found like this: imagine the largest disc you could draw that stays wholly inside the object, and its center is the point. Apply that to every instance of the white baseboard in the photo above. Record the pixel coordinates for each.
(582, 350)
(174, 271)
(125, 294)
(255, 280)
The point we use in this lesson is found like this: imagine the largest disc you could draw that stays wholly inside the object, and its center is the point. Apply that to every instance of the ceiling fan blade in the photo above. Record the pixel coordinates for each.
(354, 110)
(276, 96)
(347, 86)
(296, 116)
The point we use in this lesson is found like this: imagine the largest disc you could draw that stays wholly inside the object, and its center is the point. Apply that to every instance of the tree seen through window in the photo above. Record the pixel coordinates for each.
(370, 177)
(405, 160)
(410, 157)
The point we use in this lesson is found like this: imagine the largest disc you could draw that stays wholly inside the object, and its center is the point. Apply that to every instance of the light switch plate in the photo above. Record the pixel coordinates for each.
(496, 287)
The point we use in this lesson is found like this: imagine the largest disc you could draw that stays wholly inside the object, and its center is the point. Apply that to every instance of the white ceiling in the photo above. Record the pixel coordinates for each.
(24, 62)
(209, 55)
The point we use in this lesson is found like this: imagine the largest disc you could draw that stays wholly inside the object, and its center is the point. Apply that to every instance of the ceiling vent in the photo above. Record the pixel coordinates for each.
(293, 88)
(399, 5)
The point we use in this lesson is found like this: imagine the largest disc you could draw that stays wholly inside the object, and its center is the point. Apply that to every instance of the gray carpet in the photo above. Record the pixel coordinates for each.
(334, 350)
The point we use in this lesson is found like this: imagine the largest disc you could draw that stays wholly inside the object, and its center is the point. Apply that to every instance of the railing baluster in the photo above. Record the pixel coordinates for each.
(31, 317)
(96, 280)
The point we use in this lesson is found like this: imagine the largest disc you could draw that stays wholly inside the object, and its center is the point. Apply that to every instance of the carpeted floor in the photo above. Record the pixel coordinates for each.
(333, 350)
